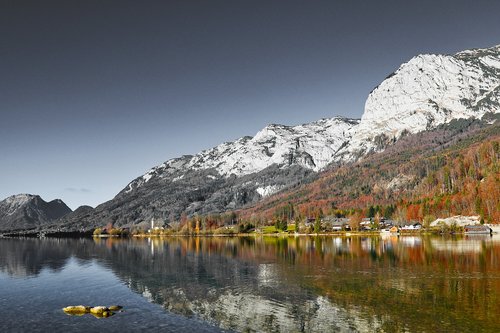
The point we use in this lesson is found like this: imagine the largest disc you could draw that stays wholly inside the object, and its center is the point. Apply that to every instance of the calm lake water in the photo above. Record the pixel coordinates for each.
(263, 284)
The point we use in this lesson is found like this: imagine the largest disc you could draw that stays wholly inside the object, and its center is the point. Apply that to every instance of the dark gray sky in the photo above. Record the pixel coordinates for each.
(94, 93)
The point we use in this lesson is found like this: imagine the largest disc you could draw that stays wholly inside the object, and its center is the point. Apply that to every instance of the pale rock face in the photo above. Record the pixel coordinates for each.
(430, 90)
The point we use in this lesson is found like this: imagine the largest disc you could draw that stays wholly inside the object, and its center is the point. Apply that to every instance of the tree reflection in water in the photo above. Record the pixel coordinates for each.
(298, 283)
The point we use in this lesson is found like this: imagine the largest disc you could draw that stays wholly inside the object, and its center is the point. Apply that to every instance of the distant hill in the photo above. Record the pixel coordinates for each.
(74, 221)
(27, 211)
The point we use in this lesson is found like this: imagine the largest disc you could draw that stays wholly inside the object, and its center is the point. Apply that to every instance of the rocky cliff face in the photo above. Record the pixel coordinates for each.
(427, 91)
(26, 211)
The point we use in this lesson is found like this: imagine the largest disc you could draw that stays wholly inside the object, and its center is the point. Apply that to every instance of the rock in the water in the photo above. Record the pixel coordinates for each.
(104, 314)
(77, 310)
(115, 307)
(96, 311)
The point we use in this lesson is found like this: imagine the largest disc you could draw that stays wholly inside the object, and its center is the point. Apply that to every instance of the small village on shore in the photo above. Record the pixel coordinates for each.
(467, 225)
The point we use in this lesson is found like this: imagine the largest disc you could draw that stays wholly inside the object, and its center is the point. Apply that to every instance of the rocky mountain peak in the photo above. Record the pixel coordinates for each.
(430, 90)
(24, 211)
(18, 200)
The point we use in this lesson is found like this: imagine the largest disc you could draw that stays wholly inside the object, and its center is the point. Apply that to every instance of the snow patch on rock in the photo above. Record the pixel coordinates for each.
(177, 178)
(268, 190)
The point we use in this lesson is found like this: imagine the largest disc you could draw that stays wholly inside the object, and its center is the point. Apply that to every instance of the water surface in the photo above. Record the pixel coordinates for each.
(264, 284)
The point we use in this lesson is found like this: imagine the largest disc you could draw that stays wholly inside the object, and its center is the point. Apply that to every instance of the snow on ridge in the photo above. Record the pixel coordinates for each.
(177, 178)
(129, 188)
(311, 145)
(148, 176)
(11, 204)
(267, 190)
(491, 61)
(19, 199)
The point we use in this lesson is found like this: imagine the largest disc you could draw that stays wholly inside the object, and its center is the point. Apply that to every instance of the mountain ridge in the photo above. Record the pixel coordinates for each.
(28, 211)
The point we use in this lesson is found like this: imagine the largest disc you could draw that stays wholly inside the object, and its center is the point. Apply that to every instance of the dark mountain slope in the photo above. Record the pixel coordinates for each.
(26, 211)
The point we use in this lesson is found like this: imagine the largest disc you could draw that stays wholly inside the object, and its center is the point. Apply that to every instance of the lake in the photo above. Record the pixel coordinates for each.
(246, 284)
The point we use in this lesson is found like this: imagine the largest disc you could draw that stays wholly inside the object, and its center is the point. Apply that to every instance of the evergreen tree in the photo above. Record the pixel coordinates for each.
(317, 225)
(371, 212)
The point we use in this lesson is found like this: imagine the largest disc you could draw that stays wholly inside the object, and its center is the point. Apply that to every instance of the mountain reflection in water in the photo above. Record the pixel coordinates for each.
(311, 284)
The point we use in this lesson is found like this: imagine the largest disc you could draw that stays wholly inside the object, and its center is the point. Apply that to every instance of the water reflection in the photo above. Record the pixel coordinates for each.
(297, 284)
(29, 257)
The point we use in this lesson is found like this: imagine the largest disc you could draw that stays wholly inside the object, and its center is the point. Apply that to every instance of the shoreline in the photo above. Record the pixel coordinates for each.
(89, 234)
(284, 234)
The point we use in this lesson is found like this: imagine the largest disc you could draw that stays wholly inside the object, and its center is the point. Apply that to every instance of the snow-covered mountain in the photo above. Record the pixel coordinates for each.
(427, 91)
(423, 93)
(312, 146)
(25, 211)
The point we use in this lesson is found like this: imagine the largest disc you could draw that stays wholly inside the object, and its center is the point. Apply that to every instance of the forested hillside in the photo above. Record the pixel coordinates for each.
(448, 171)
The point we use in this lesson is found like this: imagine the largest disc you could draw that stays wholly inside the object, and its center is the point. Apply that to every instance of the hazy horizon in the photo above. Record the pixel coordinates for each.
(94, 94)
